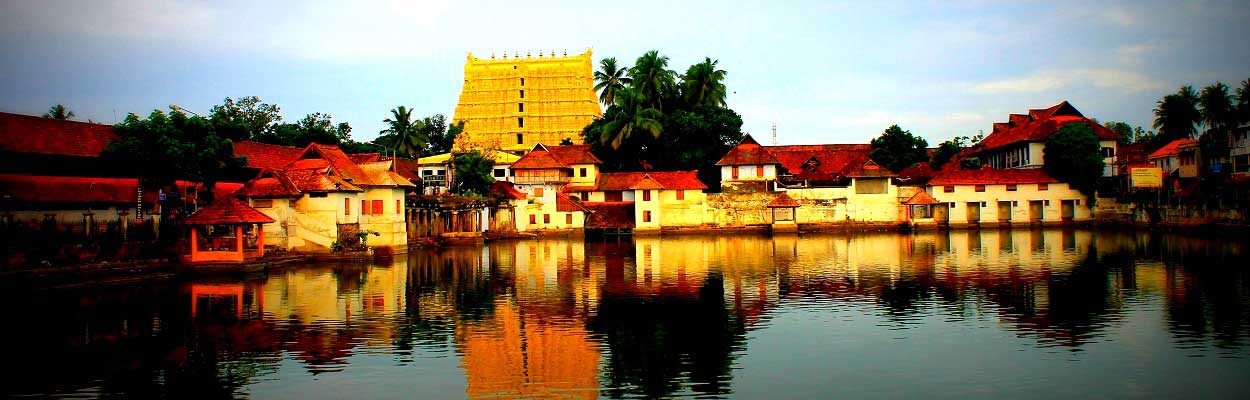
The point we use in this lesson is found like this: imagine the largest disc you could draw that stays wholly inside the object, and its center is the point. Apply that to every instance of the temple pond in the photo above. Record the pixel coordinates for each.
(991, 313)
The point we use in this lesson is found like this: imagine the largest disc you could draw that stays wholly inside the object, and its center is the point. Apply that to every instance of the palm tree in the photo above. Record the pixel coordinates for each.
(632, 115)
(1216, 107)
(610, 80)
(408, 137)
(1177, 116)
(703, 84)
(59, 112)
(652, 79)
(1243, 102)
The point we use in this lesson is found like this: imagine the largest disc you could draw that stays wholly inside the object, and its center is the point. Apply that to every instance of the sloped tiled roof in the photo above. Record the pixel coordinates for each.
(264, 155)
(1171, 149)
(361, 158)
(821, 162)
(68, 189)
(379, 173)
(672, 180)
(868, 169)
(506, 190)
(921, 198)
(409, 169)
(538, 159)
(228, 210)
(566, 204)
(268, 184)
(610, 215)
(317, 180)
(574, 154)
(783, 201)
(748, 152)
(547, 157)
(334, 158)
(31, 134)
(990, 176)
(1038, 125)
(921, 171)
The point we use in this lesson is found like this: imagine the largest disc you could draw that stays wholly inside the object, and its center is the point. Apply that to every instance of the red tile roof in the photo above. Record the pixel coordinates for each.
(68, 189)
(317, 180)
(672, 180)
(539, 158)
(783, 201)
(381, 173)
(409, 169)
(822, 162)
(574, 154)
(31, 134)
(548, 157)
(361, 158)
(1038, 125)
(921, 198)
(921, 170)
(990, 176)
(566, 204)
(270, 183)
(263, 155)
(228, 210)
(506, 190)
(610, 215)
(748, 152)
(1171, 149)
(868, 169)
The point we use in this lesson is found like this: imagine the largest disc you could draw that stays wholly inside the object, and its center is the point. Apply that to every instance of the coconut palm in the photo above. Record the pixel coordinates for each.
(610, 80)
(632, 114)
(1177, 116)
(59, 112)
(1216, 107)
(652, 79)
(703, 84)
(408, 139)
(1243, 102)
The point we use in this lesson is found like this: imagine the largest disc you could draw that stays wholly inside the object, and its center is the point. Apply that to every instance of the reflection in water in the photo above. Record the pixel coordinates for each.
(744, 316)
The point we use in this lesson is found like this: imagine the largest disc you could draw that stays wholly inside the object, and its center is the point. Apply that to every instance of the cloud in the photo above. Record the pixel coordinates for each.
(1134, 54)
(1052, 80)
(1123, 17)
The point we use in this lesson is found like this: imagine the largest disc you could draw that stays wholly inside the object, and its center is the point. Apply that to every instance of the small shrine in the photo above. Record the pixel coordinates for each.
(227, 231)
(783, 210)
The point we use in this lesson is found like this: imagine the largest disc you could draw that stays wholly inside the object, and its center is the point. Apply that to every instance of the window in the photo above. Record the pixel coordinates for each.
(614, 195)
(646, 195)
(347, 206)
(568, 219)
(522, 94)
(1011, 187)
(364, 207)
(1043, 186)
(870, 185)
(1108, 152)
(501, 173)
(520, 107)
(646, 216)
(318, 194)
(398, 207)
(978, 188)
(520, 138)
(948, 189)
(520, 122)
(921, 211)
(262, 203)
(427, 172)
(522, 81)
(581, 172)
(735, 172)
(681, 195)
(546, 218)
(533, 219)
(538, 191)
(377, 207)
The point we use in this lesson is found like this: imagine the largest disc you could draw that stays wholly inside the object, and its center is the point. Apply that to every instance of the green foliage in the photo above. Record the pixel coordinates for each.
(1073, 155)
(313, 128)
(244, 119)
(897, 149)
(1143, 136)
(442, 136)
(703, 84)
(1123, 129)
(970, 163)
(59, 112)
(407, 140)
(1177, 115)
(165, 148)
(629, 115)
(651, 79)
(1243, 102)
(610, 80)
(1219, 116)
(948, 149)
(473, 173)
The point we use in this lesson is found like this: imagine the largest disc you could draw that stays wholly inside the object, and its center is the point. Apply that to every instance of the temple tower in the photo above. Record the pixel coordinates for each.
(511, 103)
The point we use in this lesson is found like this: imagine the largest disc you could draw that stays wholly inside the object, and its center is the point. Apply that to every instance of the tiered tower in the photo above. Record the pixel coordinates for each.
(513, 103)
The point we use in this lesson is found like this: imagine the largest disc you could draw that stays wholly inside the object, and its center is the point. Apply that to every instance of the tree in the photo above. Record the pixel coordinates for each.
(244, 119)
(897, 149)
(165, 148)
(1243, 102)
(947, 150)
(1219, 118)
(703, 84)
(652, 80)
(1177, 116)
(473, 173)
(610, 80)
(696, 138)
(1123, 129)
(1073, 155)
(1143, 136)
(408, 140)
(441, 135)
(631, 114)
(59, 112)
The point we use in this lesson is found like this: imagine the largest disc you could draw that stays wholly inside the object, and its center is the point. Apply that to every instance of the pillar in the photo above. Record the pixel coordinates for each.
(195, 247)
(260, 240)
(238, 239)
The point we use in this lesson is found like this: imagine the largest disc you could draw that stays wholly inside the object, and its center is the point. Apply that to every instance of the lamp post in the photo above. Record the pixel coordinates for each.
(176, 107)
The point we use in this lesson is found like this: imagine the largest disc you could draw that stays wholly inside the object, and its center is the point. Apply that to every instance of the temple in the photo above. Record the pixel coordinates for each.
(513, 103)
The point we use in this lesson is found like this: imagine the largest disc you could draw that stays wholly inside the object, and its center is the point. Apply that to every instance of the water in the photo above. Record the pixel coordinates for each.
(1010, 313)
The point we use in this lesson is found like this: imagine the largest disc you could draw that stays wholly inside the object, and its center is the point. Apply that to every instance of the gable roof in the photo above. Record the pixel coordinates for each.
(361, 158)
(1038, 125)
(539, 158)
(651, 180)
(821, 162)
(547, 157)
(507, 191)
(783, 200)
(264, 155)
(270, 183)
(566, 204)
(748, 152)
(227, 210)
(1171, 149)
(574, 154)
(382, 173)
(868, 169)
(31, 134)
(320, 155)
(921, 198)
(610, 215)
(990, 176)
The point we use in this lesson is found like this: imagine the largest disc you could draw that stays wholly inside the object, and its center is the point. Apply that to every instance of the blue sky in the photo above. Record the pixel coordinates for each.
(824, 72)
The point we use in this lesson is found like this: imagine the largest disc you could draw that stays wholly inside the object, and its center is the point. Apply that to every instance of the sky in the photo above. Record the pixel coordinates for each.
(823, 72)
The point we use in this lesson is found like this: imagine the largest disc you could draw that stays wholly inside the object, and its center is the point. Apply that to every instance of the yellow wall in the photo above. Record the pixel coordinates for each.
(592, 172)
(1020, 212)
(559, 100)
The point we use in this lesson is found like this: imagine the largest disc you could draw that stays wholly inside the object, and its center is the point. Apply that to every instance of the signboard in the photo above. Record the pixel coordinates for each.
(1146, 177)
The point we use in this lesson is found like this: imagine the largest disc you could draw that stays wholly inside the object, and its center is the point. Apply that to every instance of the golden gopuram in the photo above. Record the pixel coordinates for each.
(512, 103)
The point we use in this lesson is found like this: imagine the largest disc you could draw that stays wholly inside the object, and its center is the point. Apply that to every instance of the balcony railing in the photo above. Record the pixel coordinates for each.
(540, 179)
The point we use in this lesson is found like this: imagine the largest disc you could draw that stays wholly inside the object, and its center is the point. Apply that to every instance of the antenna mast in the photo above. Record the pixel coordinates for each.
(774, 133)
